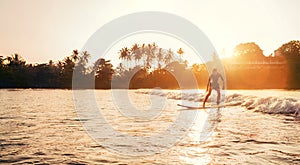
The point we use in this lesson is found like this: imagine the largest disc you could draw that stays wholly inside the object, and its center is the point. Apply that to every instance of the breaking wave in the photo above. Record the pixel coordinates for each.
(270, 105)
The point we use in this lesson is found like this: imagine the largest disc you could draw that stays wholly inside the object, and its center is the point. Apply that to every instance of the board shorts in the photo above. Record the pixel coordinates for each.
(215, 86)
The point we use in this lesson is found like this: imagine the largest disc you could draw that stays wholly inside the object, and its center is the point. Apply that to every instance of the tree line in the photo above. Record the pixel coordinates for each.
(149, 66)
(15, 73)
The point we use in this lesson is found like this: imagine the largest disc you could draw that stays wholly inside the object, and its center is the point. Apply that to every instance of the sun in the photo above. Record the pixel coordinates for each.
(226, 52)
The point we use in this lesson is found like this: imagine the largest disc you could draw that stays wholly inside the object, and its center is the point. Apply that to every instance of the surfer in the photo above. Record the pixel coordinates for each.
(213, 84)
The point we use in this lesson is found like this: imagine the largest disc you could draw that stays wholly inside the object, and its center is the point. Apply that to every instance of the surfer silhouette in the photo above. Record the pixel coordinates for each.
(213, 84)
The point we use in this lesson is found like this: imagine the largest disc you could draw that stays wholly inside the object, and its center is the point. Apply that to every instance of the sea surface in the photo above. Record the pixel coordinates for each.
(47, 126)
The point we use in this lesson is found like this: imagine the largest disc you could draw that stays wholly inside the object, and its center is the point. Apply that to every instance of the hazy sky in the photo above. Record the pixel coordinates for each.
(41, 30)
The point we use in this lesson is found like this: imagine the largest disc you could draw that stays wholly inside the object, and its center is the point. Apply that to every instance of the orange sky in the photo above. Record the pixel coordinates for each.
(51, 29)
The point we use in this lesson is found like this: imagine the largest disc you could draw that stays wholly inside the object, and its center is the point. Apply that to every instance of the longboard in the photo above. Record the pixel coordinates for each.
(207, 107)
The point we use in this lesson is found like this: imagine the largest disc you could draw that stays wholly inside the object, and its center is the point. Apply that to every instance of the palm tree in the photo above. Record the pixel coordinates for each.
(120, 70)
(180, 52)
(153, 53)
(143, 53)
(169, 56)
(124, 54)
(82, 63)
(85, 57)
(15, 60)
(135, 52)
(75, 55)
(104, 71)
(150, 53)
(160, 57)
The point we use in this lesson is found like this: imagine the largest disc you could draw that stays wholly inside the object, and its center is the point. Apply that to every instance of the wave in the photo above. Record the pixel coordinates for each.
(270, 105)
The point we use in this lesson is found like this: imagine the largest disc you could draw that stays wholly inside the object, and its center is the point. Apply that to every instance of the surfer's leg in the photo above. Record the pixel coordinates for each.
(206, 97)
(219, 96)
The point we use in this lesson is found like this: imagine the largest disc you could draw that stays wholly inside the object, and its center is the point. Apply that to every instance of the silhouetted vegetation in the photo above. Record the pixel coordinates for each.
(291, 53)
(249, 68)
(149, 66)
(15, 73)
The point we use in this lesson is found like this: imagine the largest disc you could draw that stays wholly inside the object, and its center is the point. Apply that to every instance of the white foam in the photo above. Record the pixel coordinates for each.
(271, 104)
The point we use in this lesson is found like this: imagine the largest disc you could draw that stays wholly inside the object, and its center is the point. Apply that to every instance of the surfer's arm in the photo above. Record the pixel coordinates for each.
(208, 84)
(223, 81)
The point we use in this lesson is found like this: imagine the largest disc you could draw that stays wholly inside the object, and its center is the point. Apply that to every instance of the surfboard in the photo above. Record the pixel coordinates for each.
(207, 107)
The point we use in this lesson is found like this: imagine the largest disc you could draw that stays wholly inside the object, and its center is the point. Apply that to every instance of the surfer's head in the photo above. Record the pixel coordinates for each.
(215, 71)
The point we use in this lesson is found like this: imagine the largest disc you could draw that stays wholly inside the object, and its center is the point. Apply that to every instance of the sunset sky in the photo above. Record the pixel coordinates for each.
(51, 29)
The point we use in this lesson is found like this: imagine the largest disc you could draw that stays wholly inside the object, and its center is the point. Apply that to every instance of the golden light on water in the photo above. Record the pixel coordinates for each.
(258, 45)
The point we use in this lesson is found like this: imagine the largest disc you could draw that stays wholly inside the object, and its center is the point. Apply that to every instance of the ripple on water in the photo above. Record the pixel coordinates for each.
(15, 159)
(46, 130)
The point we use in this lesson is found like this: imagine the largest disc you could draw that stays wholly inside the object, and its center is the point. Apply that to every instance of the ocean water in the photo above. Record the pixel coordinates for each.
(147, 127)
